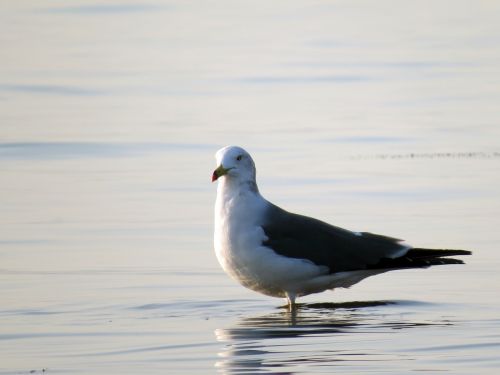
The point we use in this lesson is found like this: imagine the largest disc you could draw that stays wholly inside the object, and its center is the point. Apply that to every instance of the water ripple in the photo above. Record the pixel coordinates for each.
(71, 150)
(317, 335)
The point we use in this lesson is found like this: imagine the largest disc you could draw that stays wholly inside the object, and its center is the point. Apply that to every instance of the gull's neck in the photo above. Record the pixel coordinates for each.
(231, 187)
(236, 196)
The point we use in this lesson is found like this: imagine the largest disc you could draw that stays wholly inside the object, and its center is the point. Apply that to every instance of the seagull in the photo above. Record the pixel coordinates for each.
(283, 254)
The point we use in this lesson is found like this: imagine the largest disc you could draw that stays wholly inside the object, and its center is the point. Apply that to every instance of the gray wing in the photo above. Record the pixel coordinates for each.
(298, 236)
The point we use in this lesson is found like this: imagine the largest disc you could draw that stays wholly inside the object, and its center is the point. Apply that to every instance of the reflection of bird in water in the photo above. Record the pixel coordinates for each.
(281, 254)
(312, 334)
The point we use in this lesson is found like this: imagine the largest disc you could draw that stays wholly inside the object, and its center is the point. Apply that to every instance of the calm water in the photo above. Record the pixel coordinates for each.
(378, 116)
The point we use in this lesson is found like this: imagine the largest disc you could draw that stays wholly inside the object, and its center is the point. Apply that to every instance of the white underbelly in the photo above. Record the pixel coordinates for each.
(261, 269)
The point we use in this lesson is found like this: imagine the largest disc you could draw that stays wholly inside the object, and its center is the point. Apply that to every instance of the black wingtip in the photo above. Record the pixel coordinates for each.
(423, 258)
(435, 253)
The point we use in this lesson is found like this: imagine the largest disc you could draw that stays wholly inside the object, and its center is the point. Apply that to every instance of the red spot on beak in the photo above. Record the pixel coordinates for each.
(215, 176)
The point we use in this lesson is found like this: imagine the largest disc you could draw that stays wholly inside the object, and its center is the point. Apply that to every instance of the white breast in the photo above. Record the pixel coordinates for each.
(237, 230)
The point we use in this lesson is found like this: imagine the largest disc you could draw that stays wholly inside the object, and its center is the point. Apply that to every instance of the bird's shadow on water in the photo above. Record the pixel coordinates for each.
(266, 343)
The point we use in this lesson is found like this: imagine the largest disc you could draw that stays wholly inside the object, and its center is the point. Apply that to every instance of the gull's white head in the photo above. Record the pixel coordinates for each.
(234, 163)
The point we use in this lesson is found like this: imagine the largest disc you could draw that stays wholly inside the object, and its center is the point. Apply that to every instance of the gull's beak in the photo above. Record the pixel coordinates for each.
(219, 172)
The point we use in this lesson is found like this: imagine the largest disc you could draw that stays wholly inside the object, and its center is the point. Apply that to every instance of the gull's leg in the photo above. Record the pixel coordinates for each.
(290, 297)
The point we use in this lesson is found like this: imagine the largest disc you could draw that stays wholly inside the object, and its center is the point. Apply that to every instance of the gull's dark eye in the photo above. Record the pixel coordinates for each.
(239, 157)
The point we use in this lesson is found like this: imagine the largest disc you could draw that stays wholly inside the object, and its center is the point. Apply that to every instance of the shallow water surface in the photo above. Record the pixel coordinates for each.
(379, 117)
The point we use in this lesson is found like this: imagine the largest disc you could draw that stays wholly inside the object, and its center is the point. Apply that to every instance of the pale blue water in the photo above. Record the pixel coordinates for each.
(380, 117)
